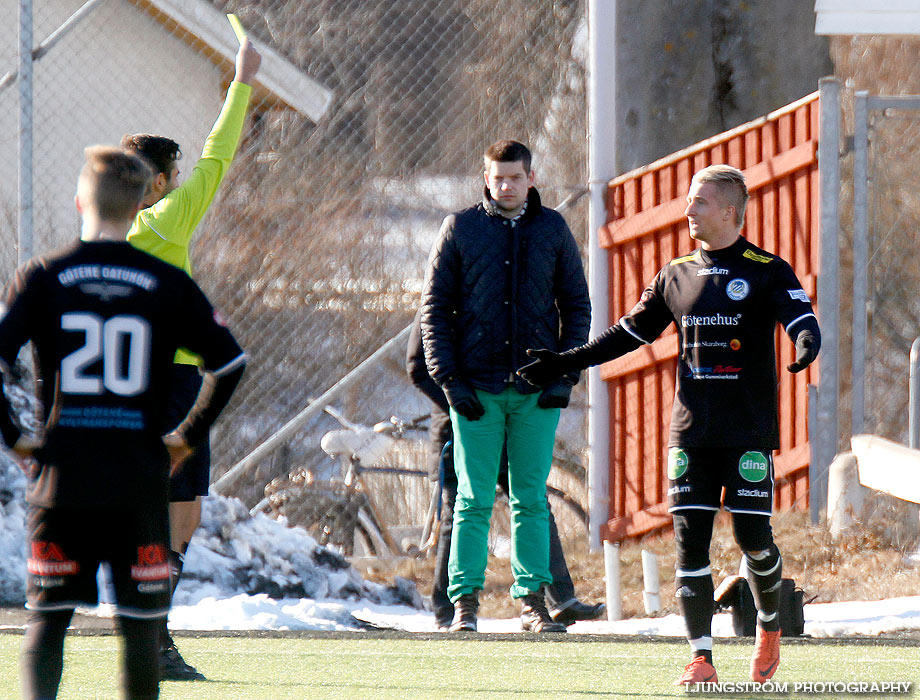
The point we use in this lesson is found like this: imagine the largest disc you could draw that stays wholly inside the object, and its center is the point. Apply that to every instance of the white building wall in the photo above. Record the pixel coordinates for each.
(849, 17)
(117, 71)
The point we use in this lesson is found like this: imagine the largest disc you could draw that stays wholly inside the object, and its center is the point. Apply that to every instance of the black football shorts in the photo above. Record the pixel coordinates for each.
(66, 546)
(193, 479)
(696, 477)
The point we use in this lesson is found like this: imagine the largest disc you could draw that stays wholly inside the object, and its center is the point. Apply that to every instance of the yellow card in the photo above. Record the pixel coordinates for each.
(237, 28)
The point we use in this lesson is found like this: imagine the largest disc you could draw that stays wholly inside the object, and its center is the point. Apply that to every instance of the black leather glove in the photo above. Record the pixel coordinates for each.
(462, 399)
(806, 350)
(546, 368)
(556, 395)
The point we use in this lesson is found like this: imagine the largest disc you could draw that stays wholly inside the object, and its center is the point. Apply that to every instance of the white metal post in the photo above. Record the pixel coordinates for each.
(612, 581)
(601, 169)
(651, 593)
(913, 407)
(860, 256)
(823, 429)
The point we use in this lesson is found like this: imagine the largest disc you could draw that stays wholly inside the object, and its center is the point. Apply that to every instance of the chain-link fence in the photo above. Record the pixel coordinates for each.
(893, 275)
(882, 66)
(316, 244)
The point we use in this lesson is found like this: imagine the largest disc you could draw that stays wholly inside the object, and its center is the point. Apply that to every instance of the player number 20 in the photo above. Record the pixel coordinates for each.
(123, 373)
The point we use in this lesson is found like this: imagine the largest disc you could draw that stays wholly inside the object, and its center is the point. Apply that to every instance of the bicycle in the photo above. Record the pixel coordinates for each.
(343, 512)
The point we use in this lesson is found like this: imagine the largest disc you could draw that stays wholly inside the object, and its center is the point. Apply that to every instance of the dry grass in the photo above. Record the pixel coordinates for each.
(871, 563)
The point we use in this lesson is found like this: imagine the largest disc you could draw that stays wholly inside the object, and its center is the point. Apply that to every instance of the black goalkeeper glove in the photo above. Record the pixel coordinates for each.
(806, 350)
(546, 368)
(462, 399)
(556, 395)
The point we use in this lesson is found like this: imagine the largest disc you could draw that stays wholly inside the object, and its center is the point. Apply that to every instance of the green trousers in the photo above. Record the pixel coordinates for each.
(530, 432)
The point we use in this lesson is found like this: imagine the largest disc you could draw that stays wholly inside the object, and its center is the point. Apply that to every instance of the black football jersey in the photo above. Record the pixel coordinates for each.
(105, 321)
(726, 304)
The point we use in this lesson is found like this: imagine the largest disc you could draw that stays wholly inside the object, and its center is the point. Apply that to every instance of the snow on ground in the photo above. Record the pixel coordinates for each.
(254, 573)
(821, 620)
(12, 532)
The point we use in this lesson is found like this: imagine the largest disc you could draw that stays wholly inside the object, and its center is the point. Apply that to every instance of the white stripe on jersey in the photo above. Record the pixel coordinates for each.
(800, 318)
(624, 324)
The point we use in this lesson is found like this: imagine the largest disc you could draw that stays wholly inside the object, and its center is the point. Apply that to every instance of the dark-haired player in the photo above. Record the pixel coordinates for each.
(164, 228)
(725, 299)
(105, 320)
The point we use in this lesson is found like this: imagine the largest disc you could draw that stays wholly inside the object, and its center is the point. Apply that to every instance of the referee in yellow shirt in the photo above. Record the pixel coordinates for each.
(164, 228)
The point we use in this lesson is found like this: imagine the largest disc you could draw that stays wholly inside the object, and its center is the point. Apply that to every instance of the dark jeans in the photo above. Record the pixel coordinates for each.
(561, 591)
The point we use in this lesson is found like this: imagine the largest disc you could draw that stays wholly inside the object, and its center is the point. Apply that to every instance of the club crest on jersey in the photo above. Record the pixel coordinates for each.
(737, 289)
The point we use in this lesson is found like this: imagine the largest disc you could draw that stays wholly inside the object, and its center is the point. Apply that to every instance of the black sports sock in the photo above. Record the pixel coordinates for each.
(693, 532)
(141, 670)
(42, 656)
(705, 653)
(163, 634)
(176, 563)
(764, 576)
(694, 599)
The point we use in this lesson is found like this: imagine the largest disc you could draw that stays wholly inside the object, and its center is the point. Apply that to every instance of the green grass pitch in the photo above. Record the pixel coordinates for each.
(383, 667)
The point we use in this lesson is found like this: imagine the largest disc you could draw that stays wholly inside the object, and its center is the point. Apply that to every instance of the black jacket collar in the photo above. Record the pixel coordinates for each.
(533, 204)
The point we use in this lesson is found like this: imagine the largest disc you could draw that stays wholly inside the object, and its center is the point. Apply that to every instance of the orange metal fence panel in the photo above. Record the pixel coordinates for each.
(645, 229)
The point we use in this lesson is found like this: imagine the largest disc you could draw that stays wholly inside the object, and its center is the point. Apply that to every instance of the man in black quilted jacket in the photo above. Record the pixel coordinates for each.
(504, 275)
(561, 601)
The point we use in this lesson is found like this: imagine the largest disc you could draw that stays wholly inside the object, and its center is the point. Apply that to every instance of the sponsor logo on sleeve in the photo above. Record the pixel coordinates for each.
(678, 462)
(799, 295)
(751, 255)
(737, 289)
(753, 466)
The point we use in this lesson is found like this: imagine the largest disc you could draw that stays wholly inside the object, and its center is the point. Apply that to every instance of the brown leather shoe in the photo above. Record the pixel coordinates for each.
(535, 617)
(466, 607)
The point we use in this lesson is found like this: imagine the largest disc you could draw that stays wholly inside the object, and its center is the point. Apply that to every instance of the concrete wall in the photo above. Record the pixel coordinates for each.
(689, 69)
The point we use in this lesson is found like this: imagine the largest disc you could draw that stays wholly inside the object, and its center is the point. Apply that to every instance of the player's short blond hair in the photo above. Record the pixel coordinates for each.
(112, 182)
(731, 183)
